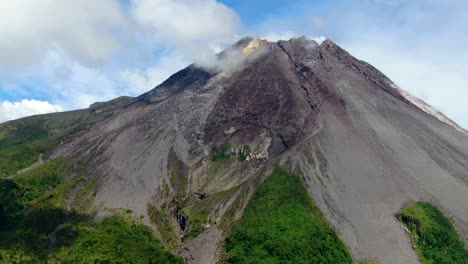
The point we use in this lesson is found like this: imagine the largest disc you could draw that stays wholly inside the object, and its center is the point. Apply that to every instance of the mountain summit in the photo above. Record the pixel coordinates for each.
(187, 156)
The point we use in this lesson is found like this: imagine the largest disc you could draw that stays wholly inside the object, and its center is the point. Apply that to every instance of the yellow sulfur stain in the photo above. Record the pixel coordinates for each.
(254, 45)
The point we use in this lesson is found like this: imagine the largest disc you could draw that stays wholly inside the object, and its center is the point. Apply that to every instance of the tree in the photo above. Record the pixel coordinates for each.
(10, 191)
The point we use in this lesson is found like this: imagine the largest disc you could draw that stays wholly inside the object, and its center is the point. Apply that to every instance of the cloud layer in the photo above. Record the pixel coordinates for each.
(195, 27)
(77, 52)
(187, 20)
(84, 29)
(14, 110)
(417, 44)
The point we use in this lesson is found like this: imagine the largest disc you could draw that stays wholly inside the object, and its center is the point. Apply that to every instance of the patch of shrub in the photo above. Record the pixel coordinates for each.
(221, 153)
(434, 236)
(246, 150)
(10, 208)
(32, 214)
(22, 141)
(281, 224)
(35, 205)
(40, 180)
(163, 222)
(118, 240)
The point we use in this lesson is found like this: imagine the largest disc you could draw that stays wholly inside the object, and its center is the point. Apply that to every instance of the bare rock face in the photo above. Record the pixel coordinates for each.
(362, 147)
(265, 98)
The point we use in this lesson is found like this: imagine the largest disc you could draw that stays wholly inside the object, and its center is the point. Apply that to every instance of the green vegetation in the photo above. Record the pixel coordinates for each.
(10, 208)
(22, 141)
(36, 182)
(433, 235)
(281, 224)
(119, 240)
(221, 153)
(22, 132)
(166, 227)
(179, 174)
(26, 241)
(246, 150)
(216, 168)
(33, 205)
(29, 188)
(199, 212)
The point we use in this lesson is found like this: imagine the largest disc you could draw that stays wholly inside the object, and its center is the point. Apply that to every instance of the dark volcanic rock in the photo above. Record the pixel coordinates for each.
(264, 97)
(191, 76)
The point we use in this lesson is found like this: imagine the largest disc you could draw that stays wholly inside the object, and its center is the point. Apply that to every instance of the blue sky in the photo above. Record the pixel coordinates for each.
(54, 59)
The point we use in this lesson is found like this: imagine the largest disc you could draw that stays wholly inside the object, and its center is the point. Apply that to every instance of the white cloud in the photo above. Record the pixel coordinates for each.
(13, 110)
(318, 23)
(75, 53)
(319, 39)
(276, 36)
(139, 81)
(74, 85)
(89, 31)
(417, 45)
(85, 29)
(187, 20)
(195, 27)
(438, 84)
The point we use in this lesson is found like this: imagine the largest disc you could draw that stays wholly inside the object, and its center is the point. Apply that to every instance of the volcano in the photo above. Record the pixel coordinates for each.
(186, 157)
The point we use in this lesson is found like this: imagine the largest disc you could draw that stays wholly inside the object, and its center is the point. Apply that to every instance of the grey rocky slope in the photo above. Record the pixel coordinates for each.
(363, 147)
